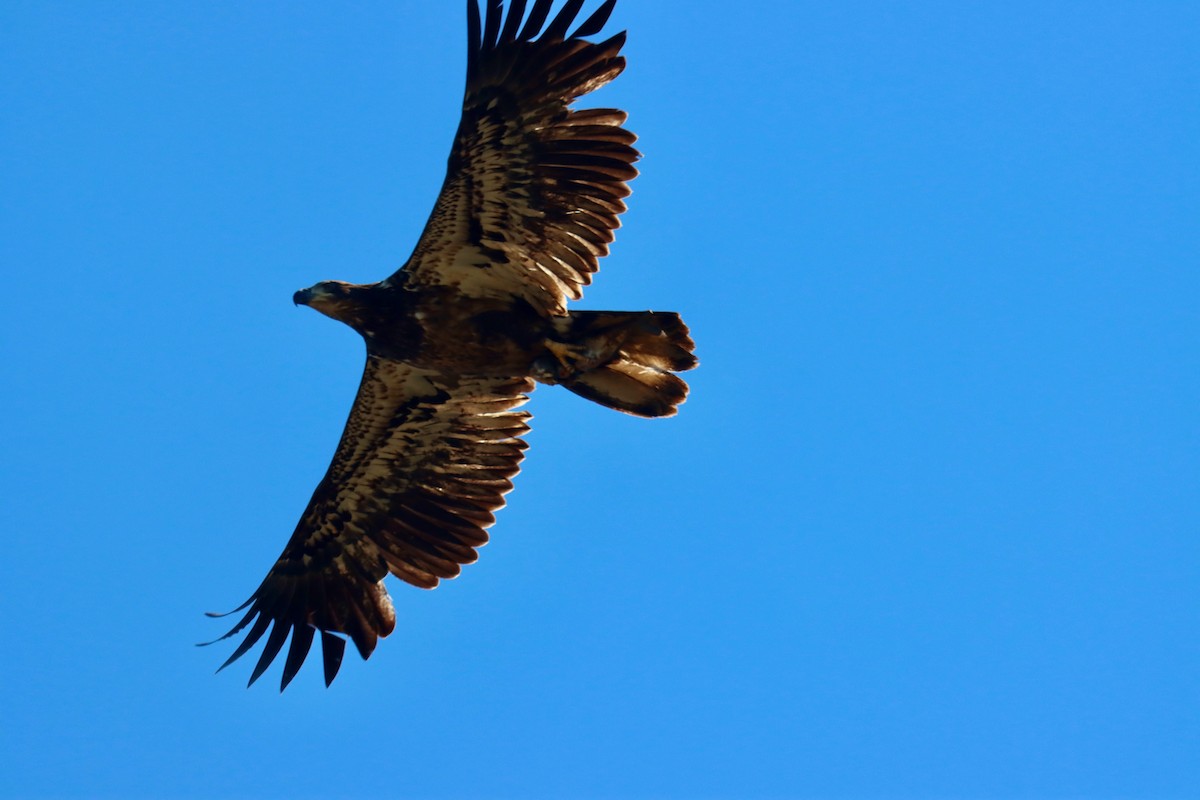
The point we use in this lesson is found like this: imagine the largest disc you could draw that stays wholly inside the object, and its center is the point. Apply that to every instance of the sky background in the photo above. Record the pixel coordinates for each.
(927, 526)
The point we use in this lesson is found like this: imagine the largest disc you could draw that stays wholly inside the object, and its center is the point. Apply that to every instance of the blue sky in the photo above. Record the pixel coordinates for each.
(927, 526)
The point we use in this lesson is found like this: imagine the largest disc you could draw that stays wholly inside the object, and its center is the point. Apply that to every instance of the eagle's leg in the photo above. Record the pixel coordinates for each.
(564, 361)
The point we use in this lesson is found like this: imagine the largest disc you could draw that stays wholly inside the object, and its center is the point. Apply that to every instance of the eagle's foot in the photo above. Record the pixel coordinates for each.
(564, 361)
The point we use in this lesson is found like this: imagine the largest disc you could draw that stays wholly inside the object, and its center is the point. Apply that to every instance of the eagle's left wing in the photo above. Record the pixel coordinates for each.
(533, 188)
(424, 461)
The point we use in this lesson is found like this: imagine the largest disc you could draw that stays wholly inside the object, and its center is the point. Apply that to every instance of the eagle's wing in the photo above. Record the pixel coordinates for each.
(533, 189)
(423, 462)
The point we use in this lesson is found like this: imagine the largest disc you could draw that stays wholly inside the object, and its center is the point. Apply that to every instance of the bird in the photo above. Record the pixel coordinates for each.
(458, 337)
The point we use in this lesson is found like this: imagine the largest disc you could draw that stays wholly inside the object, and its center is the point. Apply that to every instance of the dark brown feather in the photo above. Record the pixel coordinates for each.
(516, 10)
(566, 15)
(333, 648)
(474, 36)
(302, 639)
(523, 161)
(595, 23)
(537, 18)
(271, 649)
(413, 438)
(495, 9)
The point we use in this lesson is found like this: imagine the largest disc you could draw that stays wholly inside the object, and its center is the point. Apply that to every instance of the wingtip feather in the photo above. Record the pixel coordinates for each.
(218, 615)
(271, 649)
(252, 637)
(333, 650)
(537, 18)
(516, 12)
(566, 15)
(302, 639)
(595, 23)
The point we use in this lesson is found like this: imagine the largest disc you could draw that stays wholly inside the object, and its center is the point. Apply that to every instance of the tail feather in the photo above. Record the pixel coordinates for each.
(632, 388)
(666, 345)
(637, 352)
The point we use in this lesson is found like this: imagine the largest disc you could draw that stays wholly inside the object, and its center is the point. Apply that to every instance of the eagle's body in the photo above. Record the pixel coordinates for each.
(436, 328)
(459, 335)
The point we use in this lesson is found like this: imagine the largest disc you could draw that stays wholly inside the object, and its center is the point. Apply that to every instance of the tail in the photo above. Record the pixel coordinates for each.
(628, 359)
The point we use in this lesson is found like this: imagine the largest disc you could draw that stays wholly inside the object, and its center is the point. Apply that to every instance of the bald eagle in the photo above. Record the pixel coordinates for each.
(459, 336)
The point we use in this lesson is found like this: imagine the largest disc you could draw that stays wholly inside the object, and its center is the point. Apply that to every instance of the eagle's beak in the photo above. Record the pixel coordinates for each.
(302, 297)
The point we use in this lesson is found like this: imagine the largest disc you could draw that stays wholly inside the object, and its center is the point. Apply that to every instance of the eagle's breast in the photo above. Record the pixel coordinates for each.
(475, 336)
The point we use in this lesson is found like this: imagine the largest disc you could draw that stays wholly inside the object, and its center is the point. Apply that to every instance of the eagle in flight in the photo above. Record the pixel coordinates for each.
(459, 336)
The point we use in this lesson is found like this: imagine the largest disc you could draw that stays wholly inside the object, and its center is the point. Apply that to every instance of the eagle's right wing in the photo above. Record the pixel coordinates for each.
(424, 461)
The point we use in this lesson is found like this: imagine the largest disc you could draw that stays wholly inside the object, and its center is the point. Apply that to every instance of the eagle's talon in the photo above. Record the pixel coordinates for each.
(572, 359)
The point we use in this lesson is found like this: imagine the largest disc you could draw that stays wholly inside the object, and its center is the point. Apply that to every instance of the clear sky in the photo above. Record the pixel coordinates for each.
(926, 528)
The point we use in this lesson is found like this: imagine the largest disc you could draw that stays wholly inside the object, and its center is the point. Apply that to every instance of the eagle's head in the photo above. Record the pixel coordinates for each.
(337, 299)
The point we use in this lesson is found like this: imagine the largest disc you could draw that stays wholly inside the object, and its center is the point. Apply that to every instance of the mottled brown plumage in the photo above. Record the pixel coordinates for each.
(458, 336)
